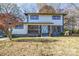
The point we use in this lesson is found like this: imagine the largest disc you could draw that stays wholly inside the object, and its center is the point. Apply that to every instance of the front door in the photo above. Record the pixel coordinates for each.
(44, 30)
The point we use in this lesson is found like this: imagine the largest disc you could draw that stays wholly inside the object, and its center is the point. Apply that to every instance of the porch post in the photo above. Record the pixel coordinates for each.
(50, 30)
(40, 31)
(61, 29)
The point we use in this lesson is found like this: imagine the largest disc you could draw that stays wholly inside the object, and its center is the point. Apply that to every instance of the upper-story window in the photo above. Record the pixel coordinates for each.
(56, 17)
(34, 17)
(19, 27)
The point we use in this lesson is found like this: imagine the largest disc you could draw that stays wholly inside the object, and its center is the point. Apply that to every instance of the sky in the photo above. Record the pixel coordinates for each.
(29, 7)
(33, 7)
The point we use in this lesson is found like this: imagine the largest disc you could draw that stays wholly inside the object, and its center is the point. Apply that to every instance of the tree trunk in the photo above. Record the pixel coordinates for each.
(9, 34)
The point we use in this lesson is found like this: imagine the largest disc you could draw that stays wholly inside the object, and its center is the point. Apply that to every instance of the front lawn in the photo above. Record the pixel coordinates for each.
(40, 46)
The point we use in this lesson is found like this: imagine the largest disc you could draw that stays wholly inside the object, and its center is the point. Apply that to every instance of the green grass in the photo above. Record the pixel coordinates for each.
(48, 46)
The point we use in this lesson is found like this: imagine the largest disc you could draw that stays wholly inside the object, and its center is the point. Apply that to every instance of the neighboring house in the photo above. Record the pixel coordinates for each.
(41, 24)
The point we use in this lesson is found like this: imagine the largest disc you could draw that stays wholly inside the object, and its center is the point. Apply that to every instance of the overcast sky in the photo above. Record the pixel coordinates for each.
(33, 7)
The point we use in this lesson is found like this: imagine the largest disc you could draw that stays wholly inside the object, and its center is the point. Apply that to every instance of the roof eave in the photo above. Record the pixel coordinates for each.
(45, 14)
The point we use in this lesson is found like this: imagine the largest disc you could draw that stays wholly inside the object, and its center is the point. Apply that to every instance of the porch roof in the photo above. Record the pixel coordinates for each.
(46, 14)
(37, 23)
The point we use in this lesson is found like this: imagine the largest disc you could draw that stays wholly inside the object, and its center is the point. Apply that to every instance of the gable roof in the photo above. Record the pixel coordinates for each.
(47, 9)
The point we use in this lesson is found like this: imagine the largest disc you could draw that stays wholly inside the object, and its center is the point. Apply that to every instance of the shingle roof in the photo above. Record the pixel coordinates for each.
(47, 9)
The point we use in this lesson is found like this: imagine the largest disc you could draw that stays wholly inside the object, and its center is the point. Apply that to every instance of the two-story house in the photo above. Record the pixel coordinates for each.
(41, 24)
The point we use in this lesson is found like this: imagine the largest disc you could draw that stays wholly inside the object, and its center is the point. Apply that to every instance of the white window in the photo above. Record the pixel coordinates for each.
(19, 27)
(56, 17)
(34, 17)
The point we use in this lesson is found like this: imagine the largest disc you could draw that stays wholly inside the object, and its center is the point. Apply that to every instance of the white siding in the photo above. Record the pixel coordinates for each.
(48, 18)
(20, 31)
(42, 18)
(25, 20)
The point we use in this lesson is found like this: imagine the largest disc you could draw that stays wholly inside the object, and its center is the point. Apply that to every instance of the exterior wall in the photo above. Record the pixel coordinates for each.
(48, 19)
(21, 31)
(42, 18)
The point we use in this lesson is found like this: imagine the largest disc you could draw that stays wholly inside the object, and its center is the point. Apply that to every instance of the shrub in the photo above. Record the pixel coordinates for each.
(62, 33)
(65, 29)
(78, 31)
(74, 31)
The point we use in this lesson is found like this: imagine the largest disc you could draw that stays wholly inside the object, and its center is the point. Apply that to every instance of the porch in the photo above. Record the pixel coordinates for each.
(39, 30)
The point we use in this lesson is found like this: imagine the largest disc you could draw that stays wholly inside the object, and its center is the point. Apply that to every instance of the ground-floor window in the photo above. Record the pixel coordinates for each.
(44, 29)
(33, 29)
(19, 26)
(57, 28)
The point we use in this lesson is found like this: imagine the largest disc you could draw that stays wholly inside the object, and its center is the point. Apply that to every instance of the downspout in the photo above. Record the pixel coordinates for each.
(63, 24)
(27, 22)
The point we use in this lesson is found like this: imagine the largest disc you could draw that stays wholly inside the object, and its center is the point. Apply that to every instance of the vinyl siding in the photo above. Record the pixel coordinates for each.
(20, 31)
(47, 18)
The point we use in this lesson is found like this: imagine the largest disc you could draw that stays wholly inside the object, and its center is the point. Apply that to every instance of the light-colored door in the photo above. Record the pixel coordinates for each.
(44, 30)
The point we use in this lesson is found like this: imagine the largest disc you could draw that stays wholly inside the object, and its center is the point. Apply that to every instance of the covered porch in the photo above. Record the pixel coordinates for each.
(44, 29)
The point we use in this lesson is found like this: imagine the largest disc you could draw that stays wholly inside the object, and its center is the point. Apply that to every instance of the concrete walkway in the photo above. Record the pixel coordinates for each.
(1, 39)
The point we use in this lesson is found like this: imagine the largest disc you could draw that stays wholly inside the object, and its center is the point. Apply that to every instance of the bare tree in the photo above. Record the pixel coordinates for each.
(29, 8)
(10, 16)
(76, 7)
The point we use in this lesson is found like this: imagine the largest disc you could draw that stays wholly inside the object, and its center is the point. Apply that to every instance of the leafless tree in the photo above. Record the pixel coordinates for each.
(10, 15)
